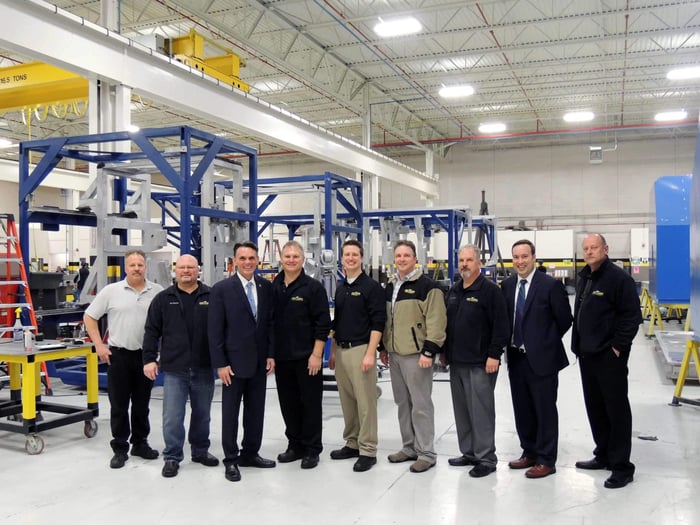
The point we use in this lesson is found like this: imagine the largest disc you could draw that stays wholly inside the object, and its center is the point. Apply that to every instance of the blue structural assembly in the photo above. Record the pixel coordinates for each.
(426, 221)
(348, 222)
(669, 275)
(183, 167)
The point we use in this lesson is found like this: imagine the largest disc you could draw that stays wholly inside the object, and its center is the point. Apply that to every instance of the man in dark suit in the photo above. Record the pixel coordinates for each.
(241, 346)
(540, 314)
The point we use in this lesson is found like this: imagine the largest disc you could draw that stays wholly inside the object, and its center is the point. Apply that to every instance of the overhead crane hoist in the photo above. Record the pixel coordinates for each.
(36, 88)
(190, 50)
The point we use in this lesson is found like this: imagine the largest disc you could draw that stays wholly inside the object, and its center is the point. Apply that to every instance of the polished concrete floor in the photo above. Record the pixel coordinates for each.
(70, 482)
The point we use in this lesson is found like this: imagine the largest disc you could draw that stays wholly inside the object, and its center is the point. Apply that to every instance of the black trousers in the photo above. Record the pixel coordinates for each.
(126, 384)
(604, 380)
(535, 409)
(300, 396)
(251, 391)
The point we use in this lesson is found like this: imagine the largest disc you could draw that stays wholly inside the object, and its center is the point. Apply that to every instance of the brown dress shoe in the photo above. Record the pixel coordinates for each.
(523, 462)
(539, 471)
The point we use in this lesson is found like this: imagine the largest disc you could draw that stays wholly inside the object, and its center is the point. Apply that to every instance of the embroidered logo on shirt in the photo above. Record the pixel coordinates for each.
(598, 293)
(472, 300)
(173, 302)
(409, 291)
(356, 294)
(297, 299)
(203, 303)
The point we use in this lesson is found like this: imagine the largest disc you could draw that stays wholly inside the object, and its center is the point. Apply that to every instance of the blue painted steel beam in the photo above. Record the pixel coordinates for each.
(186, 182)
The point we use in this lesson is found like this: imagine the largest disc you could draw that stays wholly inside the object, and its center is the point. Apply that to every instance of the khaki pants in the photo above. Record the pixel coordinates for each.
(358, 399)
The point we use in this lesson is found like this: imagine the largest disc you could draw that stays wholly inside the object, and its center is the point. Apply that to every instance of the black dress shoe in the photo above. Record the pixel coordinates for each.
(143, 450)
(481, 470)
(618, 480)
(255, 461)
(345, 453)
(309, 461)
(118, 460)
(364, 463)
(461, 461)
(288, 456)
(170, 468)
(232, 473)
(205, 459)
(591, 464)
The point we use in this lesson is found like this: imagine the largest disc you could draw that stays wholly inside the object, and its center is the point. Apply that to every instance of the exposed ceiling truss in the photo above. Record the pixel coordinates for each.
(530, 61)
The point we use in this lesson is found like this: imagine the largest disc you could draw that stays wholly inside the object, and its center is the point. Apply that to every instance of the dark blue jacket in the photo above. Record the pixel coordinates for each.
(546, 318)
(235, 337)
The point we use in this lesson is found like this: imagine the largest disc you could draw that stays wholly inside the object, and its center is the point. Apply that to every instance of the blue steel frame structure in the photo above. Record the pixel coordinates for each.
(454, 221)
(193, 144)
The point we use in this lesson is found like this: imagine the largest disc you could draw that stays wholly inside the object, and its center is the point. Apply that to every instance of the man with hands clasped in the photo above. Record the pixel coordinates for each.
(360, 316)
(302, 325)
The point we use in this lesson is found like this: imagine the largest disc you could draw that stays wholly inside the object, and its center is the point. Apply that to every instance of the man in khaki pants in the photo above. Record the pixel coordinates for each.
(360, 316)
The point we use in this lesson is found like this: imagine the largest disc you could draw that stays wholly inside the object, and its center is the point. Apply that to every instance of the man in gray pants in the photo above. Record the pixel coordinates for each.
(477, 334)
(414, 333)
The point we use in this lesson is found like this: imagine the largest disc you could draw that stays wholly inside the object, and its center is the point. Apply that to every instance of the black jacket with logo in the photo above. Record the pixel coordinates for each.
(165, 324)
(301, 316)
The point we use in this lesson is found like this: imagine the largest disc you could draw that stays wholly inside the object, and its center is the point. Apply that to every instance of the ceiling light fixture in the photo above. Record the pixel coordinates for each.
(462, 90)
(579, 116)
(397, 27)
(5, 143)
(670, 116)
(492, 127)
(684, 73)
(132, 128)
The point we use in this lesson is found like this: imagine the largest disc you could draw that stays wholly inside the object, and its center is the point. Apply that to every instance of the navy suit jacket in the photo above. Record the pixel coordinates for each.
(235, 337)
(546, 319)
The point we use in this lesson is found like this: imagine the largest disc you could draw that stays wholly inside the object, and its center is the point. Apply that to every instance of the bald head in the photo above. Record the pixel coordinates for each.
(595, 250)
(187, 272)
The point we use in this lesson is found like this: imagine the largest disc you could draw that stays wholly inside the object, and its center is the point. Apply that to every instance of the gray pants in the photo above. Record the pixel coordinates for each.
(413, 389)
(475, 412)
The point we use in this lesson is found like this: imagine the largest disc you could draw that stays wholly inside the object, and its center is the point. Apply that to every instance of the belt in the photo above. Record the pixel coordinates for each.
(519, 350)
(350, 344)
(120, 348)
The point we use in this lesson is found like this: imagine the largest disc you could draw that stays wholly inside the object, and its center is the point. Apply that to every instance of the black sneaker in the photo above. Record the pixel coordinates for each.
(143, 450)
(205, 459)
(345, 453)
(364, 463)
(118, 460)
(170, 468)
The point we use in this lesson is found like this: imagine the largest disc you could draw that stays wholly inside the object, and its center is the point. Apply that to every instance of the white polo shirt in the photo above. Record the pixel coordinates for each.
(126, 311)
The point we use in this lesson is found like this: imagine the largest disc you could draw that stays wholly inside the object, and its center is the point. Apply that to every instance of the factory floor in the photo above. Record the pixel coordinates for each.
(71, 482)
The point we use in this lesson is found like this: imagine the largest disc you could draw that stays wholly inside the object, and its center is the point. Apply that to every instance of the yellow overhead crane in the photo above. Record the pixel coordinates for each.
(39, 88)
(37, 84)
(189, 50)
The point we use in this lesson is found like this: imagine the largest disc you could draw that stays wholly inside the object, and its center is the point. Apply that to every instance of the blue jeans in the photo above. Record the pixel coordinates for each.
(198, 385)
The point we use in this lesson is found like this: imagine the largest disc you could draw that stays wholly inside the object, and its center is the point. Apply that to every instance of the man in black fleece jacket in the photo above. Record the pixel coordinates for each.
(302, 325)
(176, 327)
(607, 316)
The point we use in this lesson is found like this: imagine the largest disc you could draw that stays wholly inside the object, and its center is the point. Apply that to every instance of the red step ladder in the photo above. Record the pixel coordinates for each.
(14, 285)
